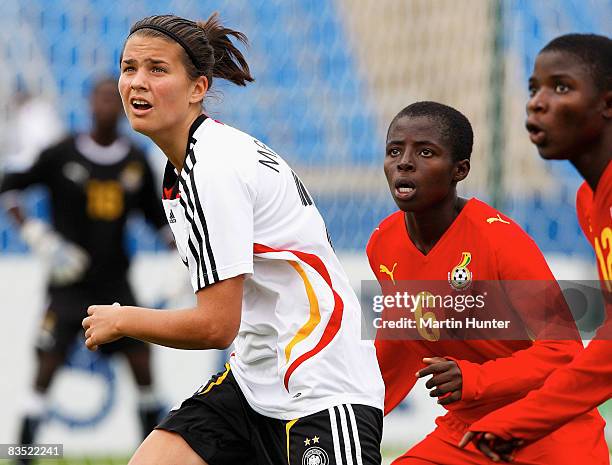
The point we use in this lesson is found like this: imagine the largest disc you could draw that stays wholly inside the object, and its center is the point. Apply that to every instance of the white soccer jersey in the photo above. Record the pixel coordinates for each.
(238, 208)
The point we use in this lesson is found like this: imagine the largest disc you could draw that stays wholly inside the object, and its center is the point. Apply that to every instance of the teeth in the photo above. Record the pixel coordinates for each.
(139, 102)
(405, 190)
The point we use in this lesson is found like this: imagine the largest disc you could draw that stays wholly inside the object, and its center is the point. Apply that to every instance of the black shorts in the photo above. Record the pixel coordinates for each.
(62, 323)
(221, 427)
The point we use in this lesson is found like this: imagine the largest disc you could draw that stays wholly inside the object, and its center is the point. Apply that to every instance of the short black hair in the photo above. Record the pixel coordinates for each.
(594, 51)
(454, 127)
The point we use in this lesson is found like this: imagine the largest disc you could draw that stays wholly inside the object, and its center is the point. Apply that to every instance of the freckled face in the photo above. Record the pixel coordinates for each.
(155, 89)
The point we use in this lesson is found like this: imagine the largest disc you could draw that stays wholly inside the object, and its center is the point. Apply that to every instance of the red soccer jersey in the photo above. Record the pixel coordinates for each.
(488, 246)
(587, 382)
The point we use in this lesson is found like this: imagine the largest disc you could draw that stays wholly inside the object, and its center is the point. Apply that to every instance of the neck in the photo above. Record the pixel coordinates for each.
(104, 136)
(592, 163)
(425, 228)
(174, 142)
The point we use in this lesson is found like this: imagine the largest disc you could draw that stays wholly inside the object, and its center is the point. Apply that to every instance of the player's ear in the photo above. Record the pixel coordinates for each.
(607, 112)
(200, 87)
(462, 169)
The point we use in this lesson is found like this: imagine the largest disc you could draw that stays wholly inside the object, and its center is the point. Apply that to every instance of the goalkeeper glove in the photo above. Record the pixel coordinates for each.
(68, 262)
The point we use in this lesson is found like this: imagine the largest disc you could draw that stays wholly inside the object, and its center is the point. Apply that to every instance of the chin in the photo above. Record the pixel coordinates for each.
(140, 126)
(549, 153)
(405, 206)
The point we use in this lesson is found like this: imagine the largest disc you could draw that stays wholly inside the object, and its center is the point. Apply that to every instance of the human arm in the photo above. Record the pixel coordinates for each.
(67, 261)
(529, 291)
(212, 324)
(569, 392)
(398, 357)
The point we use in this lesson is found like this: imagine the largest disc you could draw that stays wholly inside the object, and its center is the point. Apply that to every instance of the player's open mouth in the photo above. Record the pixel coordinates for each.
(404, 190)
(140, 105)
(536, 133)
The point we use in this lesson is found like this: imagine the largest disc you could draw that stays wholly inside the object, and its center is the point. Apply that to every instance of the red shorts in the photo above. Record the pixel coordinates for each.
(579, 442)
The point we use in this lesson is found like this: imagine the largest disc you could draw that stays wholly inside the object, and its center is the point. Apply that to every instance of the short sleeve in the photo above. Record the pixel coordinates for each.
(218, 200)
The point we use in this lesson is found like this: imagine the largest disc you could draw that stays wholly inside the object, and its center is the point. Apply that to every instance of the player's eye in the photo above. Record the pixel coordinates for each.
(532, 91)
(158, 69)
(561, 89)
(394, 152)
(127, 69)
(426, 153)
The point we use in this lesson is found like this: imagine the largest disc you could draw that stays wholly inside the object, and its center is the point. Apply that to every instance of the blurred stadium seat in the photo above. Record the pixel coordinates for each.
(329, 76)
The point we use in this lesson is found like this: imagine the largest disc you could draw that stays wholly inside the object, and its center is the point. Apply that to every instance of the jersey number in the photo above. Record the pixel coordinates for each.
(104, 200)
(603, 250)
(420, 318)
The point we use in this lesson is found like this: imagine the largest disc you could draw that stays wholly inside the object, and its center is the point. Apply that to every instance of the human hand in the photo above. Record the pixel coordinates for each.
(492, 446)
(447, 379)
(67, 261)
(101, 325)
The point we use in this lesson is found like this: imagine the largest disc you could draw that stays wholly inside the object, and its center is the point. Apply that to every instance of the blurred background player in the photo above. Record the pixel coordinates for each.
(95, 181)
(569, 117)
(440, 238)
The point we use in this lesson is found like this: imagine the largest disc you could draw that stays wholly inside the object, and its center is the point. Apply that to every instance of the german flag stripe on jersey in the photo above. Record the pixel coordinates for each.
(333, 325)
(315, 314)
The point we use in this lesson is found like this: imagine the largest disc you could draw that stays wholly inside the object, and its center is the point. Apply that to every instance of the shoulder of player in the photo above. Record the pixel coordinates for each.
(492, 223)
(61, 148)
(218, 143)
(58, 153)
(603, 192)
(386, 227)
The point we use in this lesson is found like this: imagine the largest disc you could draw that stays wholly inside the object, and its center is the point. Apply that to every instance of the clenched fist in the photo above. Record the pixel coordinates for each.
(101, 325)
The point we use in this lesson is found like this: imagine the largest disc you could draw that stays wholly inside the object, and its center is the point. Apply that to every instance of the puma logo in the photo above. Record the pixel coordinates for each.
(384, 269)
(493, 219)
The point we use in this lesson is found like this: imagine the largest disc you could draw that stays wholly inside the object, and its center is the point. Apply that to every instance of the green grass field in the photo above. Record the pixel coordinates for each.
(388, 454)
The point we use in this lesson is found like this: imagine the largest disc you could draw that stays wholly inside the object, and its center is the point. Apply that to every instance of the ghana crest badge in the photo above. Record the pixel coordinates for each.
(460, 277)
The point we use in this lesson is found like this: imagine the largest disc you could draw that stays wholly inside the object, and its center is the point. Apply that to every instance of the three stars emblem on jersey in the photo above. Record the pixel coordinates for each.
(384, 269)
(460, 277)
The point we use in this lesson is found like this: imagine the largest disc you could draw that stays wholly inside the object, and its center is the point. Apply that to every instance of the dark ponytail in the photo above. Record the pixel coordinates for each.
(230, 63)
(207, 45)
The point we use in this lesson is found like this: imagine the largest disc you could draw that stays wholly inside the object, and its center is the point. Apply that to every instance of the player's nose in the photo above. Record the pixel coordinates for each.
(405, 162)
(139, 80)
(537, 102)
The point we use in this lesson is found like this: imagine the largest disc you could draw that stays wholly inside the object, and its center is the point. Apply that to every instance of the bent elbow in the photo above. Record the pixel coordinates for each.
(222, 337)
(224, 343)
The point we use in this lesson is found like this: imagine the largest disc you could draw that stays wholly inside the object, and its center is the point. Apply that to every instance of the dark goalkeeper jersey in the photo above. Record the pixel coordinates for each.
(92, 190)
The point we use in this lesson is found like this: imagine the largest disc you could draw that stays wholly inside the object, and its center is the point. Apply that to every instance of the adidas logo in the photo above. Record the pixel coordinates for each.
(171, 218)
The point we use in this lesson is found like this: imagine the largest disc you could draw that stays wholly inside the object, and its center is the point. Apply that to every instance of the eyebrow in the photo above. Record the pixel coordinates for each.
(417, 142)
(561, 75)
(154, 61)
(552, 76)
(425, 142)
